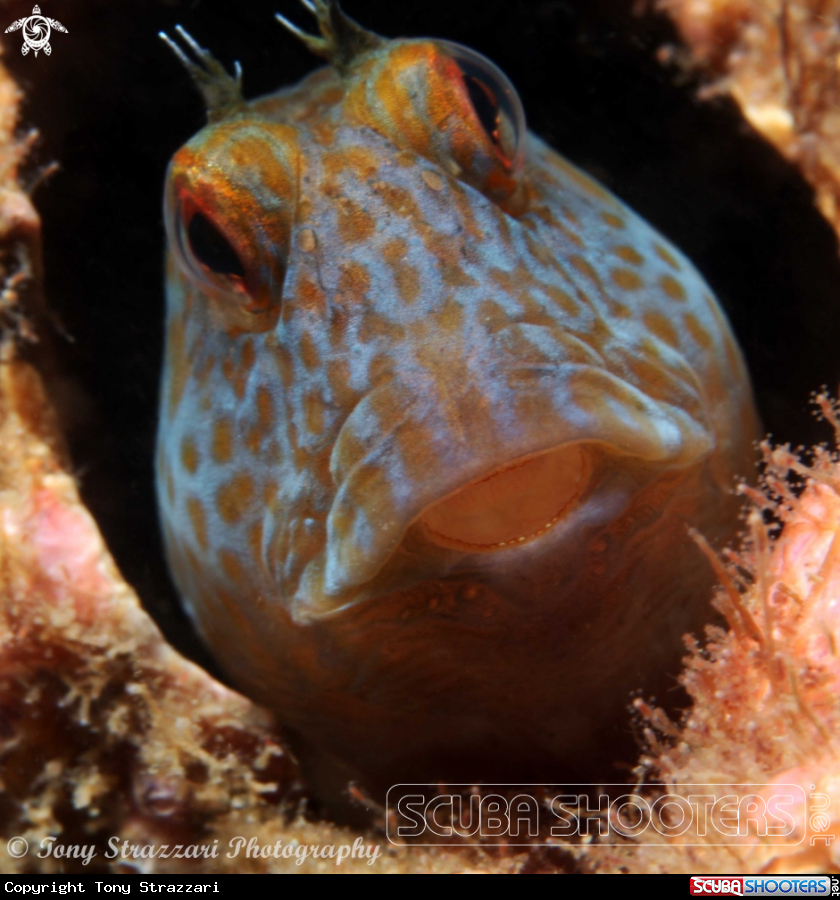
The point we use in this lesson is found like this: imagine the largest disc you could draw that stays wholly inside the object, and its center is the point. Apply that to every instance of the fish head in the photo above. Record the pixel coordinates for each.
(437, 413)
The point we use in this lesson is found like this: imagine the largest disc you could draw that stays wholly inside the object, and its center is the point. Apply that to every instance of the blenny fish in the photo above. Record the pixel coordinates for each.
(438, 411)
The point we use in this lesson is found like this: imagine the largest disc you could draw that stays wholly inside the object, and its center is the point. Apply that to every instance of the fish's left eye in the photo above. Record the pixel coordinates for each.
(486, 107)
(495, 102)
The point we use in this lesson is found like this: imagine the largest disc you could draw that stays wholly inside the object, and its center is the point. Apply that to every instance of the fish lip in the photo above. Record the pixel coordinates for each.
(381, 490)
(320, 605)
(326, 606)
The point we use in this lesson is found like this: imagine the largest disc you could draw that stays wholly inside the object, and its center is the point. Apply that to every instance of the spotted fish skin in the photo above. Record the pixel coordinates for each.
(437, 412)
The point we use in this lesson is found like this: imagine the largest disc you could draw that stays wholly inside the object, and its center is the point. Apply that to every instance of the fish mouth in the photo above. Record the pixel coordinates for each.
(419, 485)
(513, 504)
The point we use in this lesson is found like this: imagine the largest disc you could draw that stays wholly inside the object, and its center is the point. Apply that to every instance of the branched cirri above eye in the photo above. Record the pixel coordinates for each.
(212, 249)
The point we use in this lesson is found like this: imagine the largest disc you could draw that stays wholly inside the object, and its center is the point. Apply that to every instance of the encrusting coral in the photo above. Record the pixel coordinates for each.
(765, 690)
(779, 61)
(93, 699)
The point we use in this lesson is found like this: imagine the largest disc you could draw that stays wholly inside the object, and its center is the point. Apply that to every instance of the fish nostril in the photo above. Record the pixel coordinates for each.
(511, 505)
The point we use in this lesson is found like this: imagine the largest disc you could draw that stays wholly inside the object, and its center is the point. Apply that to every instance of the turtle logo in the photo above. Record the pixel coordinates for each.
(36, 31)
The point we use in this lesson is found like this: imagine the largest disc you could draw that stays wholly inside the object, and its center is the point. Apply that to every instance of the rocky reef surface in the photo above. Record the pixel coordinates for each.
(779, 61)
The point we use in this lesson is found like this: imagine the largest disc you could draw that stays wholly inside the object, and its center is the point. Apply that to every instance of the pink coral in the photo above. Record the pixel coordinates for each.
(766, 692)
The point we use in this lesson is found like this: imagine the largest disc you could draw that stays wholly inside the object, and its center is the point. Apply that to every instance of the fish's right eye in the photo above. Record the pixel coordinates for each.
(208, 255)
(228, 233)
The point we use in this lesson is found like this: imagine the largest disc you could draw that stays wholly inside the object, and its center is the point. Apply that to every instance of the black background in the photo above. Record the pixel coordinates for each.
(112, 105)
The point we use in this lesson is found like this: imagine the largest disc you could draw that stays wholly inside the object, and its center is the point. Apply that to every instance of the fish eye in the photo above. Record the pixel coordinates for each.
(205, 253)
(229, 242)
(495, 102)
(486, 107)
(211, 248)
